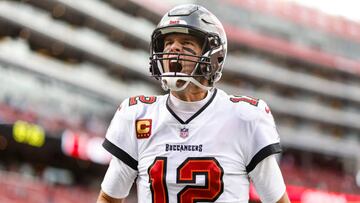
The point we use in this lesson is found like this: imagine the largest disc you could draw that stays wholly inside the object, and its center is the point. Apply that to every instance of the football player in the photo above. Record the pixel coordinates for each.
(196, 143)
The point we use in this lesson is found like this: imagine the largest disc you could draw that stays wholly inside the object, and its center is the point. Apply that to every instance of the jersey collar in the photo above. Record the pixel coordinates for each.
(195, 114)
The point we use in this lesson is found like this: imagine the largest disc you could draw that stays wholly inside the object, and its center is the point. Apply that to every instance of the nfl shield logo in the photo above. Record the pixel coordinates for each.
(184, 132)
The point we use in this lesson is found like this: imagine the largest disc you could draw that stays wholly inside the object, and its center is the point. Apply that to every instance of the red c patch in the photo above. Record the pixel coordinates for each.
(143, 128)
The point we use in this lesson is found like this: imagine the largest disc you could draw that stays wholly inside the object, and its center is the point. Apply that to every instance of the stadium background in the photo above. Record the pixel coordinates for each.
(65, 65)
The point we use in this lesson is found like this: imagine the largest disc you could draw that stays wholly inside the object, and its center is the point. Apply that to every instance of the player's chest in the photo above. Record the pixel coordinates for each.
(209, 144)
(166, 136)
(176, 157)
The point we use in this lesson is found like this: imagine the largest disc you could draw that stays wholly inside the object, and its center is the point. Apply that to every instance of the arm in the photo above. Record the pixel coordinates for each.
(122, 169)
(117, 182)
(268, 181)
(284, 199)
(104, 198)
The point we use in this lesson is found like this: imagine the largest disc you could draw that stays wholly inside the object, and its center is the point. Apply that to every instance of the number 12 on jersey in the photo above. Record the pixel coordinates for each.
(186, 174)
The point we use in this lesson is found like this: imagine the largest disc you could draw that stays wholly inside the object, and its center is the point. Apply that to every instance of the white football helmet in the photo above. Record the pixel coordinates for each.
(197, 21)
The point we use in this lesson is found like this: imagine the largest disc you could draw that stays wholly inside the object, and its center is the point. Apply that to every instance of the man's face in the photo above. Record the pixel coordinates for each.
(184, 44)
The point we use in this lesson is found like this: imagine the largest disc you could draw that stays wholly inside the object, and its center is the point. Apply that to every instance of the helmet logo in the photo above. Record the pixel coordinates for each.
(174, 22)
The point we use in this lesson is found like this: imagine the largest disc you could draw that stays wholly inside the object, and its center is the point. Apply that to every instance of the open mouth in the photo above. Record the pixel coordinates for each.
(175, 66)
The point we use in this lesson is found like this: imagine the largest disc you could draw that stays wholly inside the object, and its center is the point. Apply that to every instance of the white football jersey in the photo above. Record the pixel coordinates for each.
(206, 158)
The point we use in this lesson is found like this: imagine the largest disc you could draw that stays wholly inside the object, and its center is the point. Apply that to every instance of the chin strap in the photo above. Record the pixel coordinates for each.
(169, 83)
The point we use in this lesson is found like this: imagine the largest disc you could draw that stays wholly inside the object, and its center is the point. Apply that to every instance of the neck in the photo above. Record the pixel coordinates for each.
(190, 95)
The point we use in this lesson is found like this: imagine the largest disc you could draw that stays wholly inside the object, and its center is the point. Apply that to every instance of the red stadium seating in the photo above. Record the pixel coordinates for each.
(16, 188)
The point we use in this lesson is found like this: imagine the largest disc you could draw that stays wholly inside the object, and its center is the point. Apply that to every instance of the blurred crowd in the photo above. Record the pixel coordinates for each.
(318, 174)
(53, 125)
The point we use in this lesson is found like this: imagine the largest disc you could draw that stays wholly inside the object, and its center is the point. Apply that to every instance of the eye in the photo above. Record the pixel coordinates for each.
(188, 42)
(167, 43)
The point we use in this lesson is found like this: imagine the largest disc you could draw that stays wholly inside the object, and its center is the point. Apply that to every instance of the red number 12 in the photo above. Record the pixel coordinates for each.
(186, 173)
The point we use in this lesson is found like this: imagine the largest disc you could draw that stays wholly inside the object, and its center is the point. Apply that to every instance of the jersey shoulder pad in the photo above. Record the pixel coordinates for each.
(138, 100)
(142, 99)
(250, 108)
(136, 103)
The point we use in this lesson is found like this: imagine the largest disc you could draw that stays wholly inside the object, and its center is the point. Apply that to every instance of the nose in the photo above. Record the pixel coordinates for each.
(175, 46)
